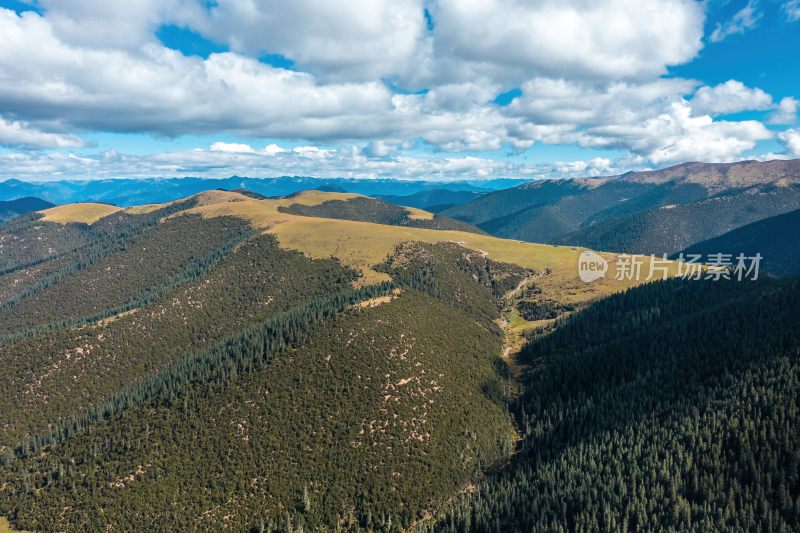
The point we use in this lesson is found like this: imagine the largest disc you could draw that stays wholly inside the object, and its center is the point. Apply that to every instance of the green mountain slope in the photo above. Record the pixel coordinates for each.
(38, 252)
(410, 423)
(26, 240)
(672, 406)
(507, 202)
(254, 388)
(255, 281)
(117, 281)
(231, 362)
(775, 238)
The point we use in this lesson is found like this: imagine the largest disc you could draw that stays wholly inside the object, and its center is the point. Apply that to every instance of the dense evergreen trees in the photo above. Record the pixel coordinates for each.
(243, 352)
(660, 230)
(259, 392)
(542, 309)
(673, 406)
(463, 278)
(127, 276)
(36, 255)
(253, 282)
(376, 395)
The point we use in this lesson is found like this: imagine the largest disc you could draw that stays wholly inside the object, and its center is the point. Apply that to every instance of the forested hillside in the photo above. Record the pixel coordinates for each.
(434, 200)
(672, 406)
(38, 253)
(775, 238)
(670, 229)
(186, 372)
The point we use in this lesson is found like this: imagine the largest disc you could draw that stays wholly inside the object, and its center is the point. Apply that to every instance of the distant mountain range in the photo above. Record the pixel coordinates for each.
(662, 211)
(127, 192)
(20, 206)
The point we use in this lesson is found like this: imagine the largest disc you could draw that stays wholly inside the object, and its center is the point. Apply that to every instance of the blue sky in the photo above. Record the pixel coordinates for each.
(411, 89)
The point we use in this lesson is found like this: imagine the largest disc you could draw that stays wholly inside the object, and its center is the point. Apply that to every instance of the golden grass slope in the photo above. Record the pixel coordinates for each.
(418, 214)
(87, 213)
(203, 198)
(362, 245)
(145, 209)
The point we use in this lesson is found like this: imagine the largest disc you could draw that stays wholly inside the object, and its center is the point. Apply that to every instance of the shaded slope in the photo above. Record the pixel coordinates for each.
(433, 200)
(147, 261)
(463, 278)
(775, 238)
(40, 254)
(20, 206)
(509, 201)
(27, 240)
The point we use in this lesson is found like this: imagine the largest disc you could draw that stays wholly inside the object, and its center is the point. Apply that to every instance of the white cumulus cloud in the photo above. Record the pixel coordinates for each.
(236, 148)
(355, 40)
(606, 39)
(786, 112)
(791, 139)
(371, 78)
(730, 97)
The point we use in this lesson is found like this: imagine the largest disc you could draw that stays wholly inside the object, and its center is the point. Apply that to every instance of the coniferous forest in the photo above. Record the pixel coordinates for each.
(674, 406)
